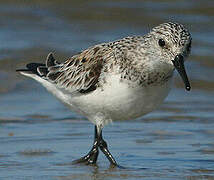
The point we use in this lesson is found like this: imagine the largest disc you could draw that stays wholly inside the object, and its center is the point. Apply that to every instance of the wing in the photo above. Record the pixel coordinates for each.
(83, 71)
(79, 73)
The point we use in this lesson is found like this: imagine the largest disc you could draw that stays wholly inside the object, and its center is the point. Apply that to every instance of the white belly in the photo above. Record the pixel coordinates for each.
(115, 101)
(118, 101)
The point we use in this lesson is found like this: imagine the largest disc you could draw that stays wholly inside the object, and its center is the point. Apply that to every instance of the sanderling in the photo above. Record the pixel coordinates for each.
(119, 80)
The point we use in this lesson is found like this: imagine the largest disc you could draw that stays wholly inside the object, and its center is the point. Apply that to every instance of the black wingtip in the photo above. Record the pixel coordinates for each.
(24, 71)
(40, 68)
(31, 68)
(20, 70)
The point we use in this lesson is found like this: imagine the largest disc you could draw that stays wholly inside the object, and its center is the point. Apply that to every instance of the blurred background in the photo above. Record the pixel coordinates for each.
(39, 137)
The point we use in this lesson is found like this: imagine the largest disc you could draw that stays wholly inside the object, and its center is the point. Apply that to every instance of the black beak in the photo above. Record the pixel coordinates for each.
(179, 66)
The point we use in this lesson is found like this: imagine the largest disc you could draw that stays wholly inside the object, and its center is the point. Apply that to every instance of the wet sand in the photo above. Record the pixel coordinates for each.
(39, 137)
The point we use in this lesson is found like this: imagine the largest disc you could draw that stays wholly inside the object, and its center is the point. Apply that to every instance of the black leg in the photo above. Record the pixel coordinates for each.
(91, 157)
(104, 148)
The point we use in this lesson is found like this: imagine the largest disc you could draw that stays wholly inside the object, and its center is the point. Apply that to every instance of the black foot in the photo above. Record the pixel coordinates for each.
(90, 158)
(104, 148)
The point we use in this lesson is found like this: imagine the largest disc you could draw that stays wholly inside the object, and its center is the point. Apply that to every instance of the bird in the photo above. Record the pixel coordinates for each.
(118, 80)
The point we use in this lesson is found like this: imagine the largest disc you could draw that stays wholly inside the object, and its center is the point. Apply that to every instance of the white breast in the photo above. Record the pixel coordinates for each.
(118, 101)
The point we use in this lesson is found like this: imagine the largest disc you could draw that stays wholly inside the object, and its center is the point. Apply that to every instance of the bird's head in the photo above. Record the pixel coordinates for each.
(172, 45)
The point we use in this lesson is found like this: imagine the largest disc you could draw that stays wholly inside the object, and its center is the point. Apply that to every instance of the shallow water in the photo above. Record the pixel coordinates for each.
(39, 137)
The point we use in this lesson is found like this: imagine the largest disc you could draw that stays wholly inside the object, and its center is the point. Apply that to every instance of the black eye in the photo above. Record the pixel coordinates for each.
(161, 43)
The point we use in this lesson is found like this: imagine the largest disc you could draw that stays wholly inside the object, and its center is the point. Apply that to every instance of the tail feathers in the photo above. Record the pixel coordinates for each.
(39, 69)
(50, 61)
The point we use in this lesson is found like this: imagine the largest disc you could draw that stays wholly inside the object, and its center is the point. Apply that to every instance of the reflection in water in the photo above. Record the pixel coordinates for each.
(40, 137)
(97, 173)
